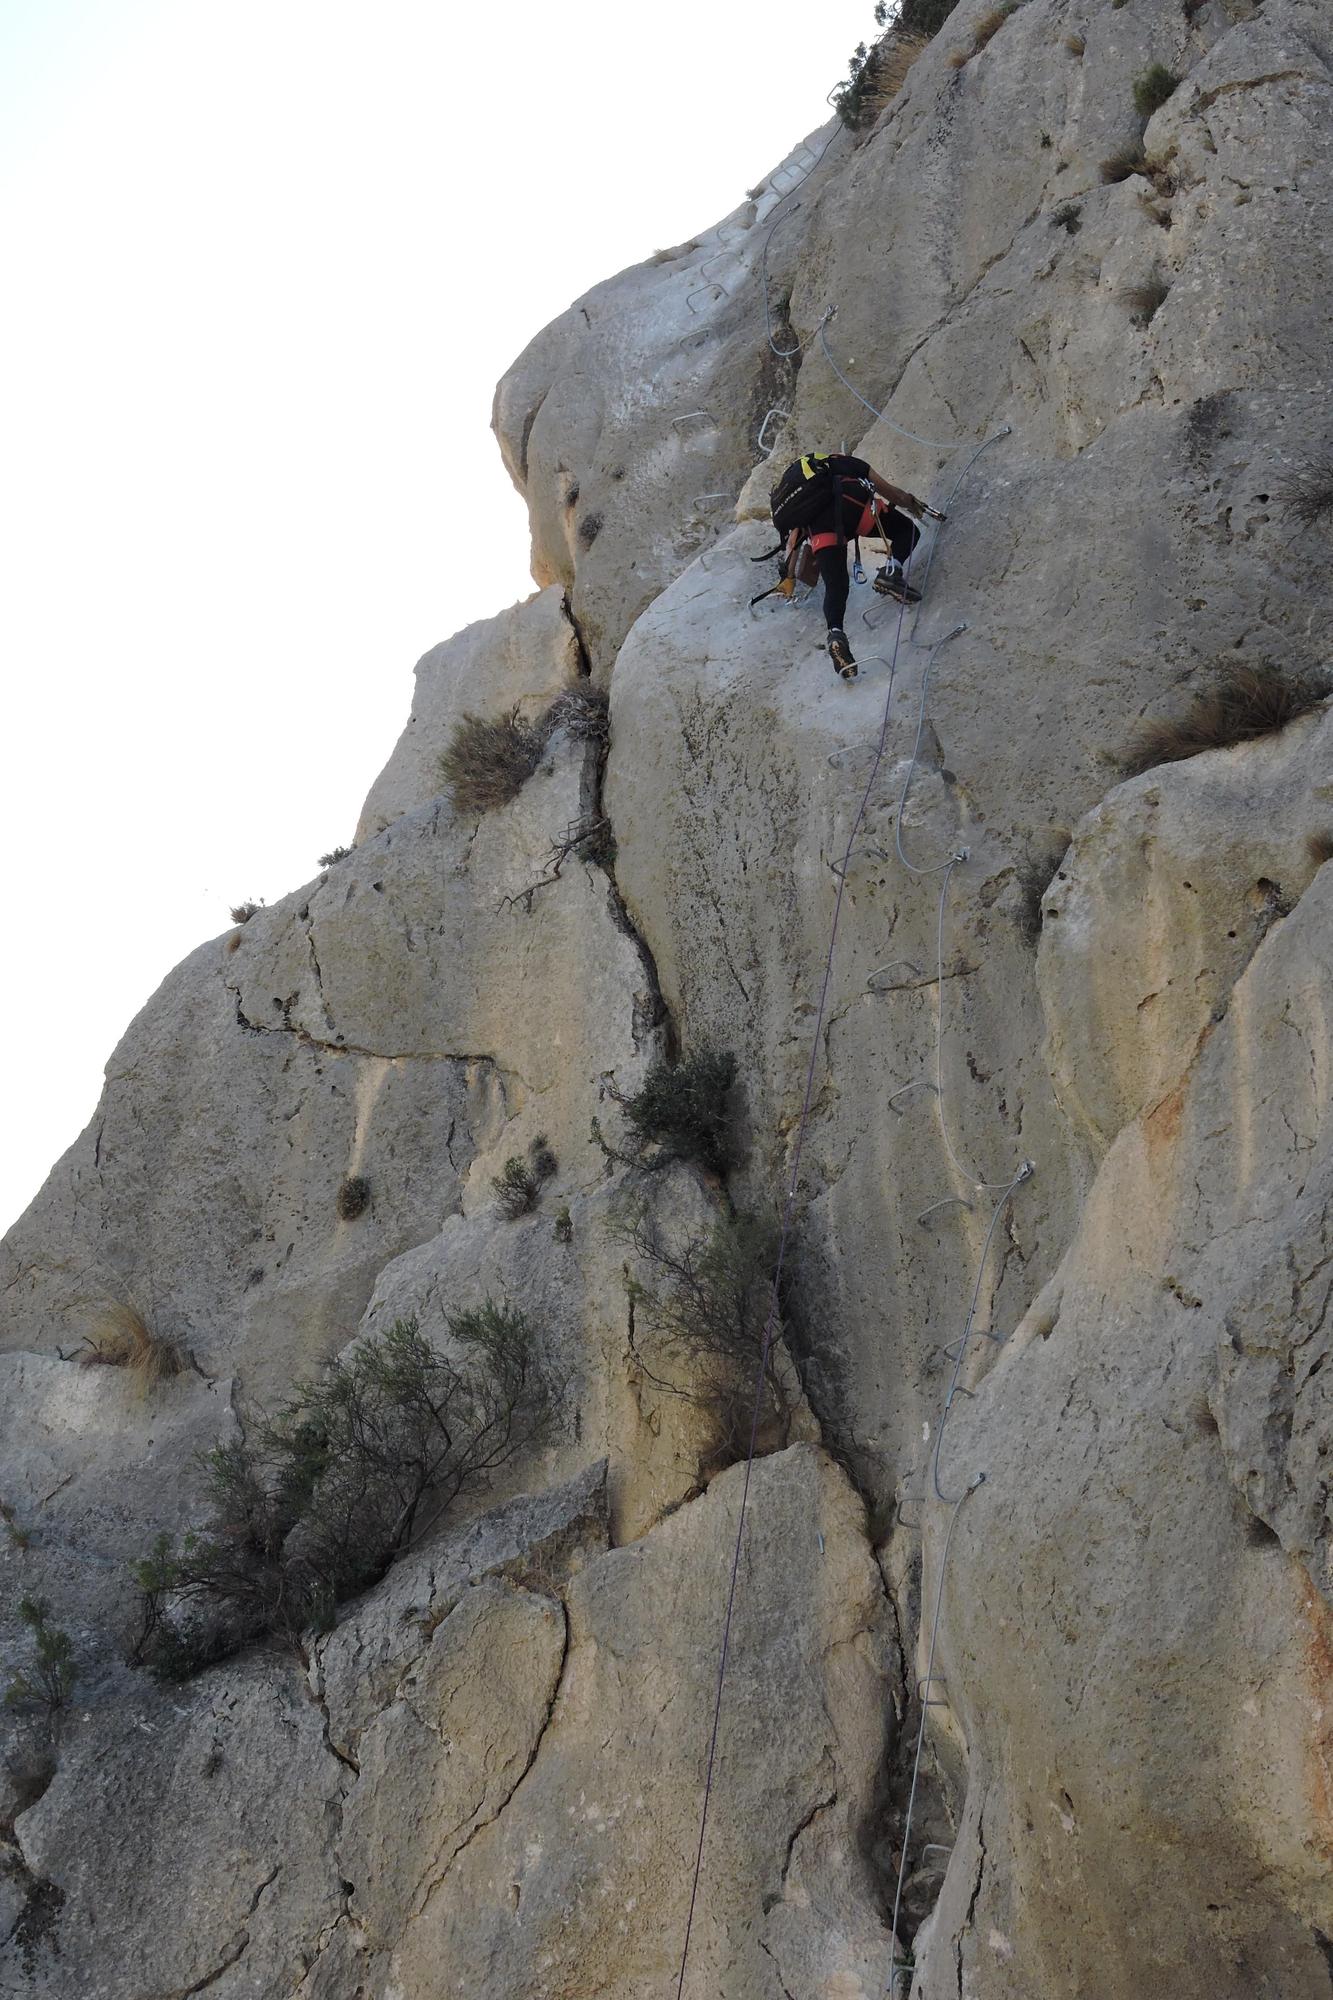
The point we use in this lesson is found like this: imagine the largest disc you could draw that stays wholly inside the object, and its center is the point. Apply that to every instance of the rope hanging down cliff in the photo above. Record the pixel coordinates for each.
(770, 1324)
(769, 1332)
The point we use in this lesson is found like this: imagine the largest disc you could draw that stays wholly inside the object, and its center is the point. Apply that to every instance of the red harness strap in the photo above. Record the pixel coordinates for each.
(865, 526)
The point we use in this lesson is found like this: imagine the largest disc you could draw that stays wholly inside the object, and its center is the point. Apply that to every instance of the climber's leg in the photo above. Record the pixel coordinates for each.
(831, 556)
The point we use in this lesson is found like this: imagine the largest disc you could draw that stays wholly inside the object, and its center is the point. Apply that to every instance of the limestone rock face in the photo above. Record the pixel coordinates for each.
(1055, 1473)
(522, 660)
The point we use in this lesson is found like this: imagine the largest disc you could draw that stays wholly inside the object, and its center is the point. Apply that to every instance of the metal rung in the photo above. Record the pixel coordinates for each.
(776, 411)
(704, 499)
(918, 1083)
(954, 1349)
(692, 416)
(712, 258)
(937, 1847)
(945, 1201)
(699, 290)
(930, 1700)
(858, 854)
(879, 972)
(851, 753)
(958, 1390)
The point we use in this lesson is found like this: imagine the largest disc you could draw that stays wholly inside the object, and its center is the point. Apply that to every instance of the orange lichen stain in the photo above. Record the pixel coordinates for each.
(1318, 1664)
(1161, 1124)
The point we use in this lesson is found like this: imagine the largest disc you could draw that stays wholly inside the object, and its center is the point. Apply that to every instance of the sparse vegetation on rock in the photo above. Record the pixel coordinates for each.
(682, 1110)
(582, 711)
(47, 1682)
(876, 74)
(709, 1299)
(1152, 89)
(121, 1338)
(487, 763)
(1125, 161)
(1240, 704)
(1306, 495)
(518, 1185)
(1145, 300)
(317, 1499)
(353, 1197)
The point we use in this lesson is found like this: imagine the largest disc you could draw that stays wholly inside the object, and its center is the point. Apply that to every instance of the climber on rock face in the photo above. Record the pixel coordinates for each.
(820, 503)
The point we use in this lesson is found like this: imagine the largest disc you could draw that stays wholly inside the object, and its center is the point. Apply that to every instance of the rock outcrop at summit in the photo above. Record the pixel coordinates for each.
(1103, 1559)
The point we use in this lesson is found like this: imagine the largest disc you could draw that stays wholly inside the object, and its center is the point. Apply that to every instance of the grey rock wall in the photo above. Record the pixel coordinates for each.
(486, 1778)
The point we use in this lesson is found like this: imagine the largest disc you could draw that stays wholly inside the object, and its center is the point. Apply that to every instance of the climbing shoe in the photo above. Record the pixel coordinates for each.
(841, 654)
(890, 582)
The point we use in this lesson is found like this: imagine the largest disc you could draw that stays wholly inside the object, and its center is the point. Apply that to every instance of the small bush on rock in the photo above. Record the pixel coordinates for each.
(518, 1186)
(1152, 89)
(488, 763)
(876, 75)
(241, 913)
(316, 1500)
(334, 856)
(710, 1300)
(1242, 703)
(49, 1681)
(923, 17)
(353, 1197)
(582, 711)
(682, 1109)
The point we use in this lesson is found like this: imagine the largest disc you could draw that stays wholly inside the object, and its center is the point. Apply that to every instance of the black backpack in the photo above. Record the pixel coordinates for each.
(807, 489)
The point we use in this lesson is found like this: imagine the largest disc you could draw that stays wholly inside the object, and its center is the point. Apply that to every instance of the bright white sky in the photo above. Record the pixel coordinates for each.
(264, 261)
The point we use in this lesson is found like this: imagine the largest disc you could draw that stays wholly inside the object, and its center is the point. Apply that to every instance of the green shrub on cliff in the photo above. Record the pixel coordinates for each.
(317, 1499)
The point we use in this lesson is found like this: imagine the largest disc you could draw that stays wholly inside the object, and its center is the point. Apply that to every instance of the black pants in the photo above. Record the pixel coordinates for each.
(832, 563)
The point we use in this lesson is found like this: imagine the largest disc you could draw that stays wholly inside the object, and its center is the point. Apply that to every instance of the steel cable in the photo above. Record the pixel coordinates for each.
(770, 1324)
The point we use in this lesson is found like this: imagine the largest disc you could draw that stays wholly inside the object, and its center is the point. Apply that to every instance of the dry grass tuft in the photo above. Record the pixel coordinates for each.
(1307, 496)
(121, 1339)
(989, 26)
(1120, 165)
(1145, 301)
(1075, 44)
(234, 941)
(888, 69)
(488, 763)
(1242, 704)
(1320, 847)
(959, 58)
(241, 913)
